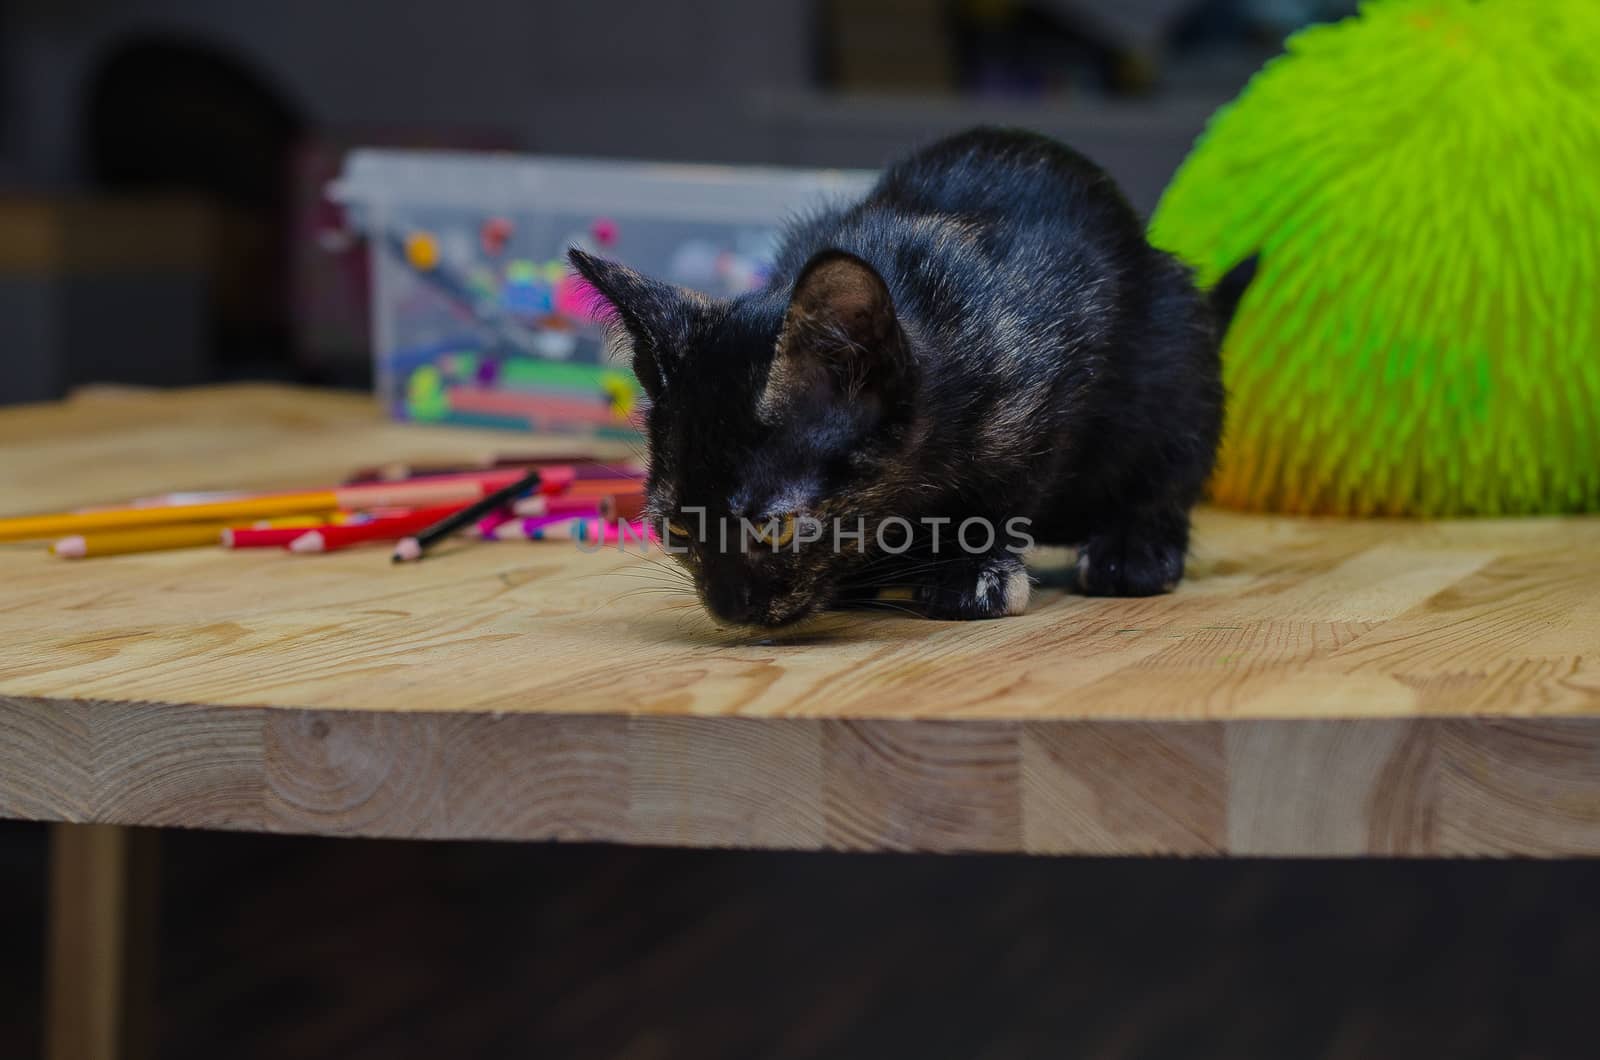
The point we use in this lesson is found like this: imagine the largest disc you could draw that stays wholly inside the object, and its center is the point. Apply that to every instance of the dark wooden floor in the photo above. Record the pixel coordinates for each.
(280, 947)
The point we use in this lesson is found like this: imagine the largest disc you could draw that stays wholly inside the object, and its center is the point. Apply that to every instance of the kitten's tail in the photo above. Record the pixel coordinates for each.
(1225, 296)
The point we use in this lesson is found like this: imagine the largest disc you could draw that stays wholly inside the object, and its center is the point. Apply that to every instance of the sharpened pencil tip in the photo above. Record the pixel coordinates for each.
(407, 551)
(74, 547)
(310, 541)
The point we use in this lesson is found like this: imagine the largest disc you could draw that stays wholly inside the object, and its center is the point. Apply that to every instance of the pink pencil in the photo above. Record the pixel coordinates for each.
(597, 470)
(492, 522)
(592, 531)
(551, 480)
(526, 529)
(548, 509)
(432, 490)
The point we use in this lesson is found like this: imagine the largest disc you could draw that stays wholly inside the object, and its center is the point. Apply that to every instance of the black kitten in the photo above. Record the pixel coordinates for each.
(983, 350)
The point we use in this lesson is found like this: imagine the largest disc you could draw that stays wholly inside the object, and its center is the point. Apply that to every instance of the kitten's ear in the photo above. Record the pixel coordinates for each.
(659, 317)
(841, 332)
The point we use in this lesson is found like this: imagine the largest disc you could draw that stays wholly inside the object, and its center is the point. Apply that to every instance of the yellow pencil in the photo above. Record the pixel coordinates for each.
(160, 538)
(149, 539)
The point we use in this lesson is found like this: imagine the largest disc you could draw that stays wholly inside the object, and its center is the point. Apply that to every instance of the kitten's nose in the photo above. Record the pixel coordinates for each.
(729, 600)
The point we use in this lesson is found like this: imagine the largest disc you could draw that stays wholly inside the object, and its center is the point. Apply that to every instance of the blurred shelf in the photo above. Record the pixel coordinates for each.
(1140, 142)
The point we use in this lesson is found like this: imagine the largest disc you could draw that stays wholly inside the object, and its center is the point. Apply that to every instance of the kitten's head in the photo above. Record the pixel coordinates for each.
(771, 416)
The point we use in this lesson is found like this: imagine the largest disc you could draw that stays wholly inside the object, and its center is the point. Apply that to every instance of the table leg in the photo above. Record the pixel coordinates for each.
(101, 941)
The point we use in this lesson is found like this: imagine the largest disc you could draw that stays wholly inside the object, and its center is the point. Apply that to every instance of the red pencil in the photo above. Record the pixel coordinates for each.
(275, 533)
(261, 537)
(391, 528)
(533, 507)
(624, 506)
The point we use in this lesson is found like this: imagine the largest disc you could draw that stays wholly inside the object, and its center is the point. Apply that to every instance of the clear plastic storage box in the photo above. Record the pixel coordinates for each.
(477, 318)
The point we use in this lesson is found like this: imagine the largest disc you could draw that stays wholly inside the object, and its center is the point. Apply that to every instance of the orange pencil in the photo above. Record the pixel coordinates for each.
(603, 487)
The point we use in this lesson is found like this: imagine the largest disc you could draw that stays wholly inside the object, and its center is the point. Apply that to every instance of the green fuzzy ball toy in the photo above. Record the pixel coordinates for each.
(1421, 183)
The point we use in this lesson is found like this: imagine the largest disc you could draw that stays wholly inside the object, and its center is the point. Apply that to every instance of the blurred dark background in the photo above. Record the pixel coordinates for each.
(273, 946)
(162, 161)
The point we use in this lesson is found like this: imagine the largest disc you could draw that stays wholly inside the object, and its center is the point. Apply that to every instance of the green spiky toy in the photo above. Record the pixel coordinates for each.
(1421, 183)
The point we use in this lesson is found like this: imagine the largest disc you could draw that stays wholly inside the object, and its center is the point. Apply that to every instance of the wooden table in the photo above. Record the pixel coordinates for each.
(1314, 688)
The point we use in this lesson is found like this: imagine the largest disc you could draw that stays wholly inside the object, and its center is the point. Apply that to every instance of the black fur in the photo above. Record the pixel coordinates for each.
(987, 333)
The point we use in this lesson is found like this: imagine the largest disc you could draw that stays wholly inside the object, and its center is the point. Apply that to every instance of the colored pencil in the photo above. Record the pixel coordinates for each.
(492, 522)
(598, 488)
(533, 507)
(625, 506)
(261, 537)
(490, 477)
(594, 469)
(597, 530)
(526, 529)
(552, 479)
(277, 533)
(556, 478)
(411, 549)
(419, 494)
(588, 530)
(148, 539)
(168, 500)
(400, 471)
(390, 528)
(170, 536)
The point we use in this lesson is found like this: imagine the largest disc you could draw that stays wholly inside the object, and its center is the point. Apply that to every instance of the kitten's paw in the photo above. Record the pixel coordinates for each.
(990, 587)
(1131, 563)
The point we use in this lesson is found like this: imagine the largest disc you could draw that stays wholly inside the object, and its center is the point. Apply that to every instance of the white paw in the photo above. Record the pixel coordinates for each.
(1017, 590)
(1003, 592)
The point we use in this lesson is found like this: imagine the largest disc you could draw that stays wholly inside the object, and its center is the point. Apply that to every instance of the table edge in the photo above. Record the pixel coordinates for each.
(1409, 787)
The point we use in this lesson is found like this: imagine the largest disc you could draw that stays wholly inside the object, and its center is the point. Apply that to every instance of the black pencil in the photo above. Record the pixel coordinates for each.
(412, 549)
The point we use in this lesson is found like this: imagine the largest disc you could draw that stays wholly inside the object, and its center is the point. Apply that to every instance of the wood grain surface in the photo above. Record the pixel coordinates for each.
(1314, 687)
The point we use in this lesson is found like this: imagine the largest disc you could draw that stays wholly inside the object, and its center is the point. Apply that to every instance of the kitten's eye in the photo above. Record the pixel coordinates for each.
(774, 530)
(676, 532)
